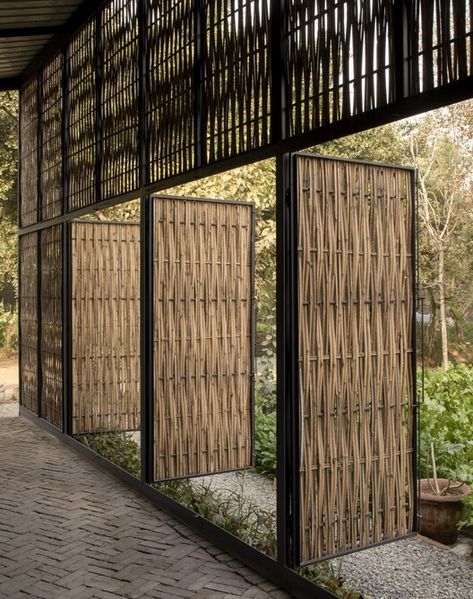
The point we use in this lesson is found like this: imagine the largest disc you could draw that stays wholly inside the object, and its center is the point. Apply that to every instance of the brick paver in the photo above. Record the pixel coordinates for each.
(70, 530)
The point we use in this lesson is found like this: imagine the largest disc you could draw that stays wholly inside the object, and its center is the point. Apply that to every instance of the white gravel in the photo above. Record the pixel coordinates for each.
(409, 568)
(7, 410)
(258, 489)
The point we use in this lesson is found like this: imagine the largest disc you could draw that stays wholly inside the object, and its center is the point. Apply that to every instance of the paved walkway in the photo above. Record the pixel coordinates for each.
(69, 530)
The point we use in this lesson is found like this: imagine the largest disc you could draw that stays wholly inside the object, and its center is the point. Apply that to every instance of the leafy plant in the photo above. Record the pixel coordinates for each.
(329, 576)
(265, 442)
(116, 446)
(446, 420)
(8, 331)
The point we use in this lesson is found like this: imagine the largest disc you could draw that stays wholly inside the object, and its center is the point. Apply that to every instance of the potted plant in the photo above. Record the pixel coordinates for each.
(441, 507)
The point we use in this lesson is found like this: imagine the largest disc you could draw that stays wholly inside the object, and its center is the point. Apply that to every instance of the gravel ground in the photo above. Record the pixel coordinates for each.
(258, 489)
(409, 569)
(7, 410)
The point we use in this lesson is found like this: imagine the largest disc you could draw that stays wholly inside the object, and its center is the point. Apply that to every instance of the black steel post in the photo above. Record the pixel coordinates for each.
(401, 50)
(147, 339)
(65, 130)
(287, 367)
(98, 106)
(200, 126)
(39, 210)
(67, 328)
(143, 92)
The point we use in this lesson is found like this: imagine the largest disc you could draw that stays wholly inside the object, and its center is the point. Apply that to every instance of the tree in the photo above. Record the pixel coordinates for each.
(8, 196)
(443, 158)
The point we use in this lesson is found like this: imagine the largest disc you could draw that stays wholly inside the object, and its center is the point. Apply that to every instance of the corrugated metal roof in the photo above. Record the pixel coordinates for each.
(26, 27)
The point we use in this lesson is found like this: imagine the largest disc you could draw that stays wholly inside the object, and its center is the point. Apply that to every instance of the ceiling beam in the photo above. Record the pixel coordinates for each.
(9, 83)
(29, 31)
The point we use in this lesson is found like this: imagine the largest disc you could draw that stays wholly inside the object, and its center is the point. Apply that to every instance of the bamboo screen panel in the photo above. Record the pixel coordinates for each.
(340, 60)
(441, 42)
(51, 324)
(29, 321)
(51, 126)
(203, 339)
(105, 326)
(29, 153)
(356, 297)
(82, 106)
(170, 69)
(236, 76)
(119, 111)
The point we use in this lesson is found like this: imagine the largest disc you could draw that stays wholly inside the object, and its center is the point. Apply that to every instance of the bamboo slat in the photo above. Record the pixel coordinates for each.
(51, 324)
(51, 131)
(203, 339)
(29, 321)
(105, 326)
(29, 153)
(119, 95)
(81, 150)
(355, 342)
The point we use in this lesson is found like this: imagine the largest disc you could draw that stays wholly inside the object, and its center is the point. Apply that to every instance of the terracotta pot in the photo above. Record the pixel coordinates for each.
(440, 515)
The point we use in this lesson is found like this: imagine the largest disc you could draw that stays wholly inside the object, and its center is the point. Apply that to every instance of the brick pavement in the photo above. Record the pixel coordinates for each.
(71, 530)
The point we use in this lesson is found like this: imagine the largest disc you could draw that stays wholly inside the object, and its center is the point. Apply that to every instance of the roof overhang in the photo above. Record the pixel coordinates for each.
(32, 30)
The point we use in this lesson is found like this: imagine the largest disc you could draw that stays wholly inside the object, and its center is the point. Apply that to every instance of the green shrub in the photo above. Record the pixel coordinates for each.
(446, 420)
(8, 331)
(117, 447)
(265, 442)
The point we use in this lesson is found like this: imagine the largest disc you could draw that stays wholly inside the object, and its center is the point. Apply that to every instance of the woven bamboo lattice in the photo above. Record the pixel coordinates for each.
(105, 326)
(29, 321)
(119, 109)
(51, 123)
(340, 60)
(162, 87)
(236, 76)
(29, 153)
(170, 70)
(441, 42)
(82, 118)
(203, 357)
(355, 229)
(51, 324)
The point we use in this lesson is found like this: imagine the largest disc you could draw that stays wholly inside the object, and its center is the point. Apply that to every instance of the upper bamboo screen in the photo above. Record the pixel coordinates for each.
(158, 88)
(203, 336)
(356, 301)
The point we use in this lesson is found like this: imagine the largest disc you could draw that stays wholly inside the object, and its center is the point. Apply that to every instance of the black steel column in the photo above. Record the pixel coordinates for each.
(286, 307)
(200, 125)
(67, 328)
(39, 211)
(147, 339)
(287, 367)
(401, 50)
(143, 92)
(98, 106)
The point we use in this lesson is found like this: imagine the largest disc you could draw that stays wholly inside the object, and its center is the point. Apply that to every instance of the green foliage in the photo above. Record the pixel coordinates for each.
(446, 420)
(234, 513)
(8, 196)
(265, 442)
(117, 447)
(8, 331)
(329, 576)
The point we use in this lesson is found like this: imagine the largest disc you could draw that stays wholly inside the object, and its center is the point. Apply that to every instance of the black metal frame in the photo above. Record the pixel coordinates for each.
(290, 173)
(282, 144)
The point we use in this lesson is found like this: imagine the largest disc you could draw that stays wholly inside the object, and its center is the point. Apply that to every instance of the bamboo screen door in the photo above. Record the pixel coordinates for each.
(203, 336)
(356, 265)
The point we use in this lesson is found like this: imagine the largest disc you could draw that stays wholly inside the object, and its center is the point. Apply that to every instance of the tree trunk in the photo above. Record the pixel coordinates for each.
(442, 308)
